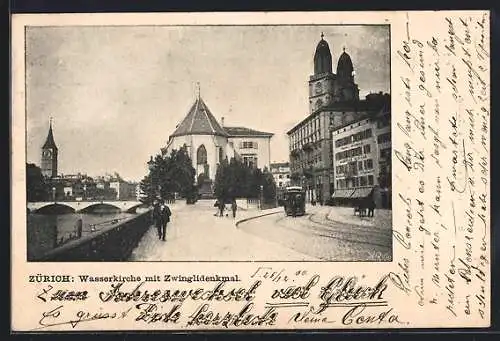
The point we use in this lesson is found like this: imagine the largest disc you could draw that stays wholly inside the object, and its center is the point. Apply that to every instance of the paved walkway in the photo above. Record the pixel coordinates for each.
(196, 234)
(345, 215)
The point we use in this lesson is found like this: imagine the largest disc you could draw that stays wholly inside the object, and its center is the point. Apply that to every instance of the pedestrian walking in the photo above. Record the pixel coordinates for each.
(165, 214)
(222, 206)
(79, 227)
(234, 207)
(157, 217)
(371, 203)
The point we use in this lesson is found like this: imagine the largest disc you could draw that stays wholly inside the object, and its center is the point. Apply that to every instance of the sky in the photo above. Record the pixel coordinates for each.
(116, 93)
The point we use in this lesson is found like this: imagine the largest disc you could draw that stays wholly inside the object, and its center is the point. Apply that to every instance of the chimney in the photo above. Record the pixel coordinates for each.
(222, 121)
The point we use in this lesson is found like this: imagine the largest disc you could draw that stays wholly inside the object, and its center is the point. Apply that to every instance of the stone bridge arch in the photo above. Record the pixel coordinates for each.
(54, 208)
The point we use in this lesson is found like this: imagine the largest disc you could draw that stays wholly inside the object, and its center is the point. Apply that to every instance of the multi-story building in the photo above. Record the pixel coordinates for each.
(124, 190)
(251, 146)
(361, 150)
(333, 102)
(281, 174)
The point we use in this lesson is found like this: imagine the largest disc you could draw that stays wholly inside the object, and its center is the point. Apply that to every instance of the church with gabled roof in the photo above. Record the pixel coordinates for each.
(209, 141)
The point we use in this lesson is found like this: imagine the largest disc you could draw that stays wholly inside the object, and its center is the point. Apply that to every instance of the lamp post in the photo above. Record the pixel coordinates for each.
(54, 193)
(151, 168)
(261, 195)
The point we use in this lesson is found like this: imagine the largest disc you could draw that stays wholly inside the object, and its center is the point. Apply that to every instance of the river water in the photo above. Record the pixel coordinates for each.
(48, 231)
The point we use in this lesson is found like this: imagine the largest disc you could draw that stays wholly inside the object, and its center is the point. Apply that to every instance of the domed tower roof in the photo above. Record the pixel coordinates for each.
(322, 57)
(344, 66)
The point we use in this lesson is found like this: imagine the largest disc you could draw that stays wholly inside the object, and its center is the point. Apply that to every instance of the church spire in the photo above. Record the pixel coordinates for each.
(198, 91)
(49, 142)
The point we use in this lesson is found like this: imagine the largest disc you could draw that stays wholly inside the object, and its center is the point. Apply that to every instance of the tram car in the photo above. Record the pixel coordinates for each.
(294, 200)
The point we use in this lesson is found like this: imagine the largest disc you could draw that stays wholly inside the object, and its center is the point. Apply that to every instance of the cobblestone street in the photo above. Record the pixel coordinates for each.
(196, 234)
(329, 233)
(323, 234)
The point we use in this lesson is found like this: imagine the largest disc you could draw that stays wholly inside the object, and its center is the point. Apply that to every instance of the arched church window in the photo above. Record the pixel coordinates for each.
(201, 155)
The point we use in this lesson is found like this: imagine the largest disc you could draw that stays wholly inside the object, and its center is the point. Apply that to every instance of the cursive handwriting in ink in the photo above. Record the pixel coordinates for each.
(54, 317)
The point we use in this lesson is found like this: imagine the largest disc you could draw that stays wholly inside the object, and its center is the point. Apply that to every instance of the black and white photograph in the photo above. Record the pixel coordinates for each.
(244, 171)
(208, 143)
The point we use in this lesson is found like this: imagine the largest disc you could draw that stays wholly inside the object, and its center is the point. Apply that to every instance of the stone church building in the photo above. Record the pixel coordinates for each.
(209, 142)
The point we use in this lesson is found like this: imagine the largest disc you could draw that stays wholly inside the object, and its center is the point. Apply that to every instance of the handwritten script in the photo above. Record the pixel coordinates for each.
(443, 166)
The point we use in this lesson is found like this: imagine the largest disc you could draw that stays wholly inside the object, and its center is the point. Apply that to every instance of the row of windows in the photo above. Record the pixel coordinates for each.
(354, 167)
(382, 138)
(250, 160)
(362, 135)
(281, 176)
(315, 137)
(248, 144)
(283, 184)
(356, 182)
(366, 149)
(310, 131)
(306, 163)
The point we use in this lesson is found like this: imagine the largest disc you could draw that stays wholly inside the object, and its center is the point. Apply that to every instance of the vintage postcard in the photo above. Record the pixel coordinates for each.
(250, 171)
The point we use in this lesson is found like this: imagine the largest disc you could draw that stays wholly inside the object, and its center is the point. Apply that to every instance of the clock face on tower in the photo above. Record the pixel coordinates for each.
(47, 153)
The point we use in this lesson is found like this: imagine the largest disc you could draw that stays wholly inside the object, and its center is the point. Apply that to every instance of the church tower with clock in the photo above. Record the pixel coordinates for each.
(326, 87)
(49, 155)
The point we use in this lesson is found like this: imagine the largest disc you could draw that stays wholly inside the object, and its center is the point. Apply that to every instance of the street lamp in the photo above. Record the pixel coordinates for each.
(151, 168)
(54, 193)
(261, 195)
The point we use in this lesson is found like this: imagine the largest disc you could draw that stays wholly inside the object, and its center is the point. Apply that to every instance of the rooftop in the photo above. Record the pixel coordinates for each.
(199, 121)
(242, 131)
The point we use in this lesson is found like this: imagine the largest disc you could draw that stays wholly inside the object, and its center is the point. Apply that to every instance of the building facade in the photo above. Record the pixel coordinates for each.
(209, 142)
(362, 152)
(124, 190)
(251, 146)
(281, 174)
(333, 102)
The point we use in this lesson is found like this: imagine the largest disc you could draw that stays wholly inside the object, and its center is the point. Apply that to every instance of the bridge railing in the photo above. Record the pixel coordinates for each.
(113, 243)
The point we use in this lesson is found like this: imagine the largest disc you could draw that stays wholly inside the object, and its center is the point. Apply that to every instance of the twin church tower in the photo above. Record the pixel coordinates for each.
(326, 87)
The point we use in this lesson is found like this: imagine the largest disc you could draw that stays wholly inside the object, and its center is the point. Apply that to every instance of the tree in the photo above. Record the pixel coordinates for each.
(168, 175)
(269, 186)
(146, 190)
(221, 180)
(236, 180)
(36, 186)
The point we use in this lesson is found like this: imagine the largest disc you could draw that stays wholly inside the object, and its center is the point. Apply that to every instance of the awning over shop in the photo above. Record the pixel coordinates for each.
(343, 193)
(361, 192)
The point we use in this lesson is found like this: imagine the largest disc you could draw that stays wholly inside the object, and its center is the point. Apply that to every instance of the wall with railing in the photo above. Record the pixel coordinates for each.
(113, 243)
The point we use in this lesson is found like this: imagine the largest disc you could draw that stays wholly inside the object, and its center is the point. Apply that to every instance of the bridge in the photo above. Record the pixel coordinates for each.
(81, 206)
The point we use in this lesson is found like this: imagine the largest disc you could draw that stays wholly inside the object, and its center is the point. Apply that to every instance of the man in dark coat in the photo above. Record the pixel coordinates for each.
(164, 219)
(157, 217)
(234, 207)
